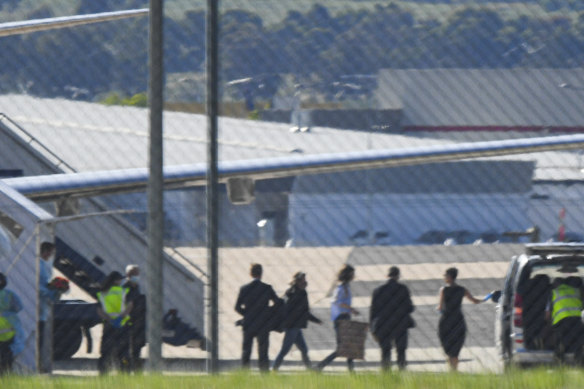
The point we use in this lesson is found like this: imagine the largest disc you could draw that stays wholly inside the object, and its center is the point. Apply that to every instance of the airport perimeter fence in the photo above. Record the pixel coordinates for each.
(297, 79)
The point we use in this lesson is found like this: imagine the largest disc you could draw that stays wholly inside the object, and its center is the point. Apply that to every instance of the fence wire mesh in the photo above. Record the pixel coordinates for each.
(297, 78)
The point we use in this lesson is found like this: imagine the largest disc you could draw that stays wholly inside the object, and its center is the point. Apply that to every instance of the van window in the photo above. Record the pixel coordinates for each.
(510, 282)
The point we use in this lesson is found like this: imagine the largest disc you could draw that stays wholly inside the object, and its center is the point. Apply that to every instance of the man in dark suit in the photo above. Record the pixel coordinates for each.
(253, 304)
(390, 318)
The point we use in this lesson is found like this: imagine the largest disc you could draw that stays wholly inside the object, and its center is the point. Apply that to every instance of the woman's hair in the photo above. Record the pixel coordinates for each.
(297, 277)
(346, 273)
(452, 272)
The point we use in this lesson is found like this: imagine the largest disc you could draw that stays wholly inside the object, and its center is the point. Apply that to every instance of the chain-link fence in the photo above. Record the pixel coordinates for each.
(297, 79)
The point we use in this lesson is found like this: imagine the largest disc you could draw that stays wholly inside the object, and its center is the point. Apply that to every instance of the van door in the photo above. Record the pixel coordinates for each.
(504, 310)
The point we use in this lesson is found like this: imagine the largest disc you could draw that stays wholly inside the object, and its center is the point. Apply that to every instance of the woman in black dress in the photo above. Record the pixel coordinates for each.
(452, 328)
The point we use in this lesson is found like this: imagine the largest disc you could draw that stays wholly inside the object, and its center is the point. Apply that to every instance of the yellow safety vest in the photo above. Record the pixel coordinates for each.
(113, 302)
(566, 302)
(6, 330)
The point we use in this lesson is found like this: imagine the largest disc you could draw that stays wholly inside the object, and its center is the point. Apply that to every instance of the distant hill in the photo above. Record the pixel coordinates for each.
(275, 11)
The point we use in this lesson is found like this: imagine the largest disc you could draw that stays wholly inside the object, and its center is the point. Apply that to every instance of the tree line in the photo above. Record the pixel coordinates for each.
(92, 61)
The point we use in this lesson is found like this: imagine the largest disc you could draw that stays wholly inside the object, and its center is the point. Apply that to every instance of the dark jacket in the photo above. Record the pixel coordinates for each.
(253, 304)
(297, 310)
(391, 306)
(138, 313)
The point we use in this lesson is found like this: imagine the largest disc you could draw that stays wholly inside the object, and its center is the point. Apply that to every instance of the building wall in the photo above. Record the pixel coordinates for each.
(337, 220)
(353, 119)
(547, 203)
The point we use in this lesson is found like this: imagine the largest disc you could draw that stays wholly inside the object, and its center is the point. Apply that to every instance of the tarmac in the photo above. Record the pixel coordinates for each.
(482, 269)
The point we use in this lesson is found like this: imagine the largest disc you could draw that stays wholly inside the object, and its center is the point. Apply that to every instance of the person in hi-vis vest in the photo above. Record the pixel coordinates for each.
(10, 305)
(564, 312)
(115, 310)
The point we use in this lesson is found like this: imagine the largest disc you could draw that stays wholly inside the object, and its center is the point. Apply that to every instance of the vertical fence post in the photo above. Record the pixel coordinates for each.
(212, 179)
(154, 292)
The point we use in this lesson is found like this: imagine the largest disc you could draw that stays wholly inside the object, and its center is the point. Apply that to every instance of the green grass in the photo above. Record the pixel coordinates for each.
(532, 379)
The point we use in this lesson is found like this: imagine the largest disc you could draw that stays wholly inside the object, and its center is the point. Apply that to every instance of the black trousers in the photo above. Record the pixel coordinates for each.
(41, 332)
(401, 343)
(263, 339)
(6, 357)
(115, 349)
(137, 341)
(569, 337)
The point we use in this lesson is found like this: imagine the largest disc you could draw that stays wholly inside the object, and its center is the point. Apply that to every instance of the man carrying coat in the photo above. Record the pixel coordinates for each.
(390, 318)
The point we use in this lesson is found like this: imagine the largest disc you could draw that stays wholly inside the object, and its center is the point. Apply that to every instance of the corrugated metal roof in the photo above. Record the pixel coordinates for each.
(91, 136)
(485, 97)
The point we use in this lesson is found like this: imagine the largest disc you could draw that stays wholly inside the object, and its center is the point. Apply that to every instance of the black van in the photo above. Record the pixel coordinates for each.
(523, 334)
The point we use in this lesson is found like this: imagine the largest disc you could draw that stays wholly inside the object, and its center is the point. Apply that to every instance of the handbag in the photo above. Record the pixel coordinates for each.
(352, 336)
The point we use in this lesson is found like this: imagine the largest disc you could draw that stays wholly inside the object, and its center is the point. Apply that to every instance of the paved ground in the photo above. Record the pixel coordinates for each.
(481, 270)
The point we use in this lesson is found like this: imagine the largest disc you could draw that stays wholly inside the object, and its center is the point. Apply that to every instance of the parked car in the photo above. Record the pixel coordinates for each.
(522, 335)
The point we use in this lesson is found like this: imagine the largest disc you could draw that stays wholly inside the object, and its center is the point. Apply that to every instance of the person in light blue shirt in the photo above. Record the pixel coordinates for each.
(11, 333)
(341, 309)
(47, 296)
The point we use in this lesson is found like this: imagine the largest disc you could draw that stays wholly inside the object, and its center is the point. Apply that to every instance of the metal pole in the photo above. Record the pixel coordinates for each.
(37, 354)
(212, 179)
(154, 291)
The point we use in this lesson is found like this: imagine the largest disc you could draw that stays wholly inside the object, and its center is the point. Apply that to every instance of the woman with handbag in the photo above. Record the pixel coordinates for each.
(341, 309)
(297, 316)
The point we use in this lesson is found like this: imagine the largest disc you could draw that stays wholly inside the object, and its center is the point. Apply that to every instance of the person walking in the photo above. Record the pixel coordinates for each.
(452, 327)
(565, 310)
(298, 314)
(389, 318)
(137, 323)
(253, 304)
(114, 309)
(341, 309)
(10, 325)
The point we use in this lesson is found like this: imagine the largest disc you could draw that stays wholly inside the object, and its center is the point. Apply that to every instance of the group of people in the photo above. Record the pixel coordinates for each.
(123, 310)
(121, 306)
(389, 317)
